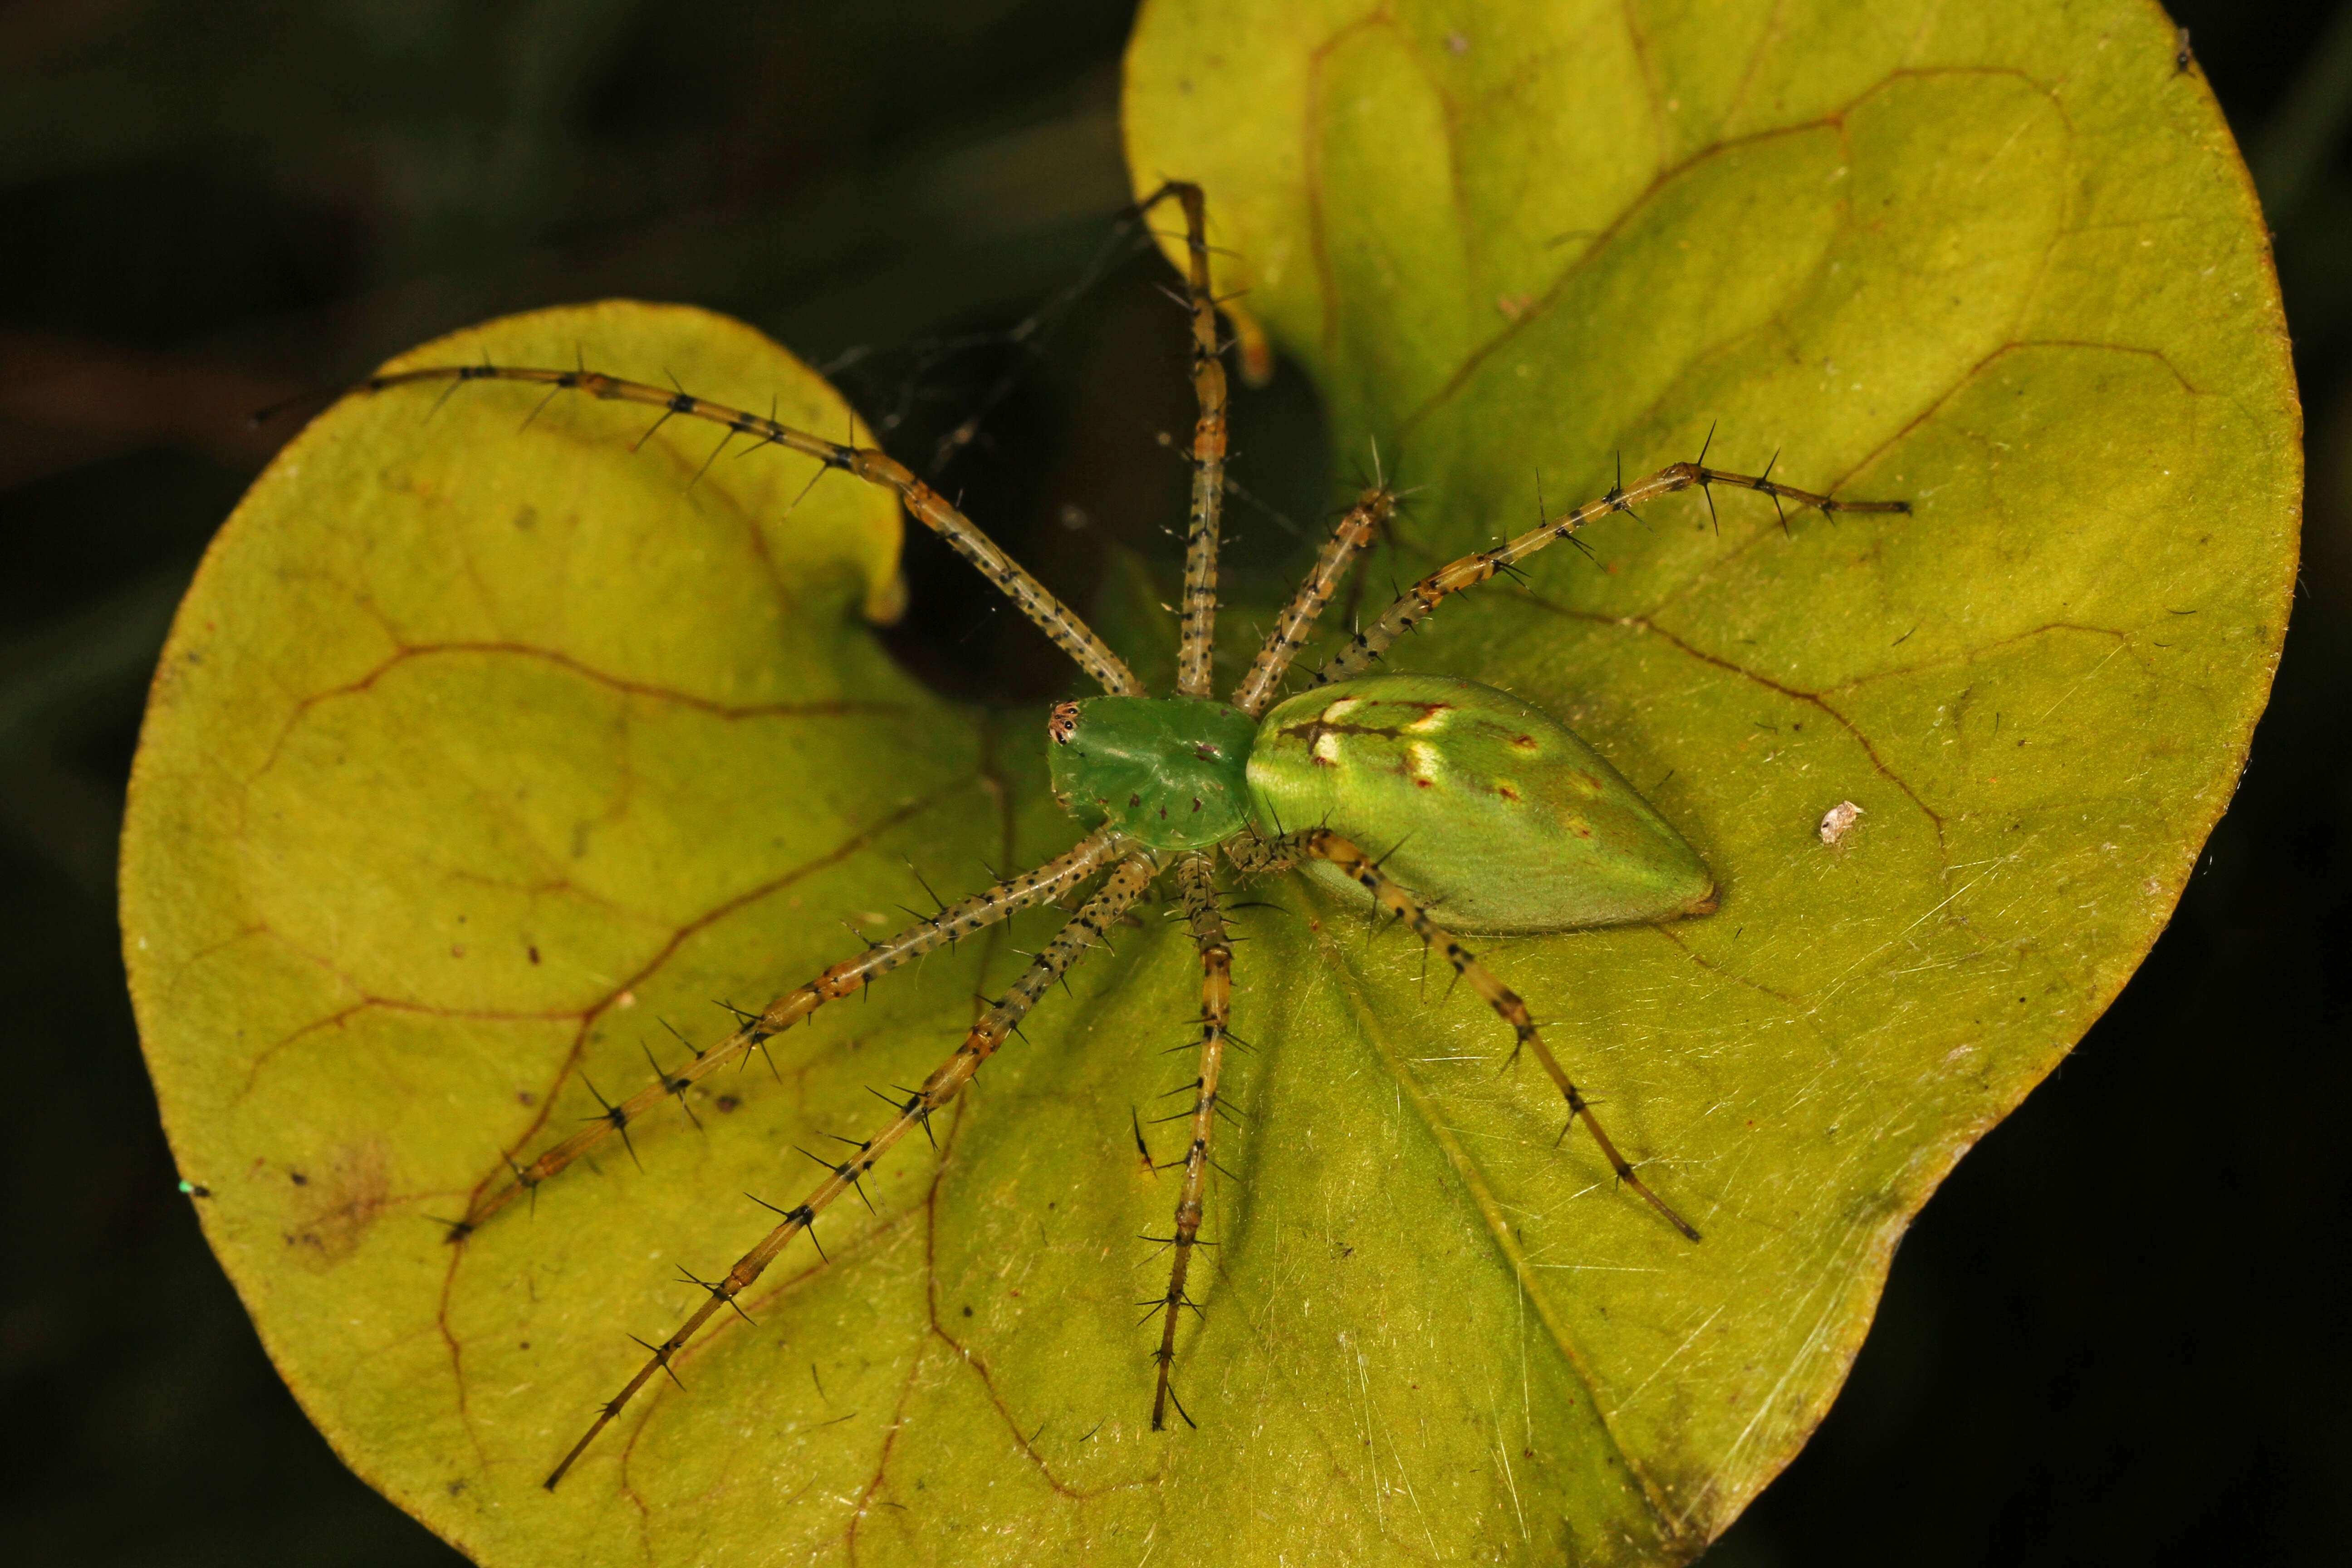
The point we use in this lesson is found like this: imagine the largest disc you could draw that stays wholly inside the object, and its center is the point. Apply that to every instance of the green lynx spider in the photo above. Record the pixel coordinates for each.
(1502, 819)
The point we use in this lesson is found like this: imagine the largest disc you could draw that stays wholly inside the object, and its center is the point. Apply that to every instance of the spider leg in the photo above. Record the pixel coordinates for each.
(1322, 844)
(1083, 931)
(1196, 882)
(1417, 602)
(1200, 618)
(1248, 852)
(926, 505)
(1050, 881)
(1352, 536)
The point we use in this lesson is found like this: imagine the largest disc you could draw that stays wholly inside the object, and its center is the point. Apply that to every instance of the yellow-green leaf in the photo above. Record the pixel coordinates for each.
(478, 752)
(2001, 260)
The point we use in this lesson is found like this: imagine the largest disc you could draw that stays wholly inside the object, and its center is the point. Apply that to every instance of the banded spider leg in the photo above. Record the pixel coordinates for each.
(924, 504)
(1196, 879)
(1051, 882)
(1200, 613)
(1322, 844)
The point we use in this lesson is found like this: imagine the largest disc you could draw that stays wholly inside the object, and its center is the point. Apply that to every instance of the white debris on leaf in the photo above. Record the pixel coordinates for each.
(1837, 820)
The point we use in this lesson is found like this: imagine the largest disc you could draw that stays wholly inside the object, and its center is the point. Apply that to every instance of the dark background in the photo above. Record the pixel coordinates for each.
(2108, 1338)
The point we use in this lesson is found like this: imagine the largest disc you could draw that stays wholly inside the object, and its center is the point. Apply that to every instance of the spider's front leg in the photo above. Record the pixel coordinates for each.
(1083, 931)
(1196, 881)
(1052, 880)
(926, 505)
(1350, 538)
(1200, 618)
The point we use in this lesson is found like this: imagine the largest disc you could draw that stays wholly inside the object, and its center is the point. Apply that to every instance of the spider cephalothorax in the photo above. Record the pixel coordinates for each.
(1491, 813)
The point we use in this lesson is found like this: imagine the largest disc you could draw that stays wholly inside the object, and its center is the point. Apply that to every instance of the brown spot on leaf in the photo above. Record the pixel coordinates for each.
(339, 1204)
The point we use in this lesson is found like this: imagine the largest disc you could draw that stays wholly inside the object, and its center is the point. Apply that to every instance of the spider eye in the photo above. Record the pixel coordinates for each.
(1062, 724)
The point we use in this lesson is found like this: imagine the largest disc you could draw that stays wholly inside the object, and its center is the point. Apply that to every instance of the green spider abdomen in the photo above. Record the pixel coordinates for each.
(1492, 811)
(1167, 772)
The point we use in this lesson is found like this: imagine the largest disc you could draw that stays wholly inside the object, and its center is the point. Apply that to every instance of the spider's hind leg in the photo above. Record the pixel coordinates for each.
(1322, 844)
